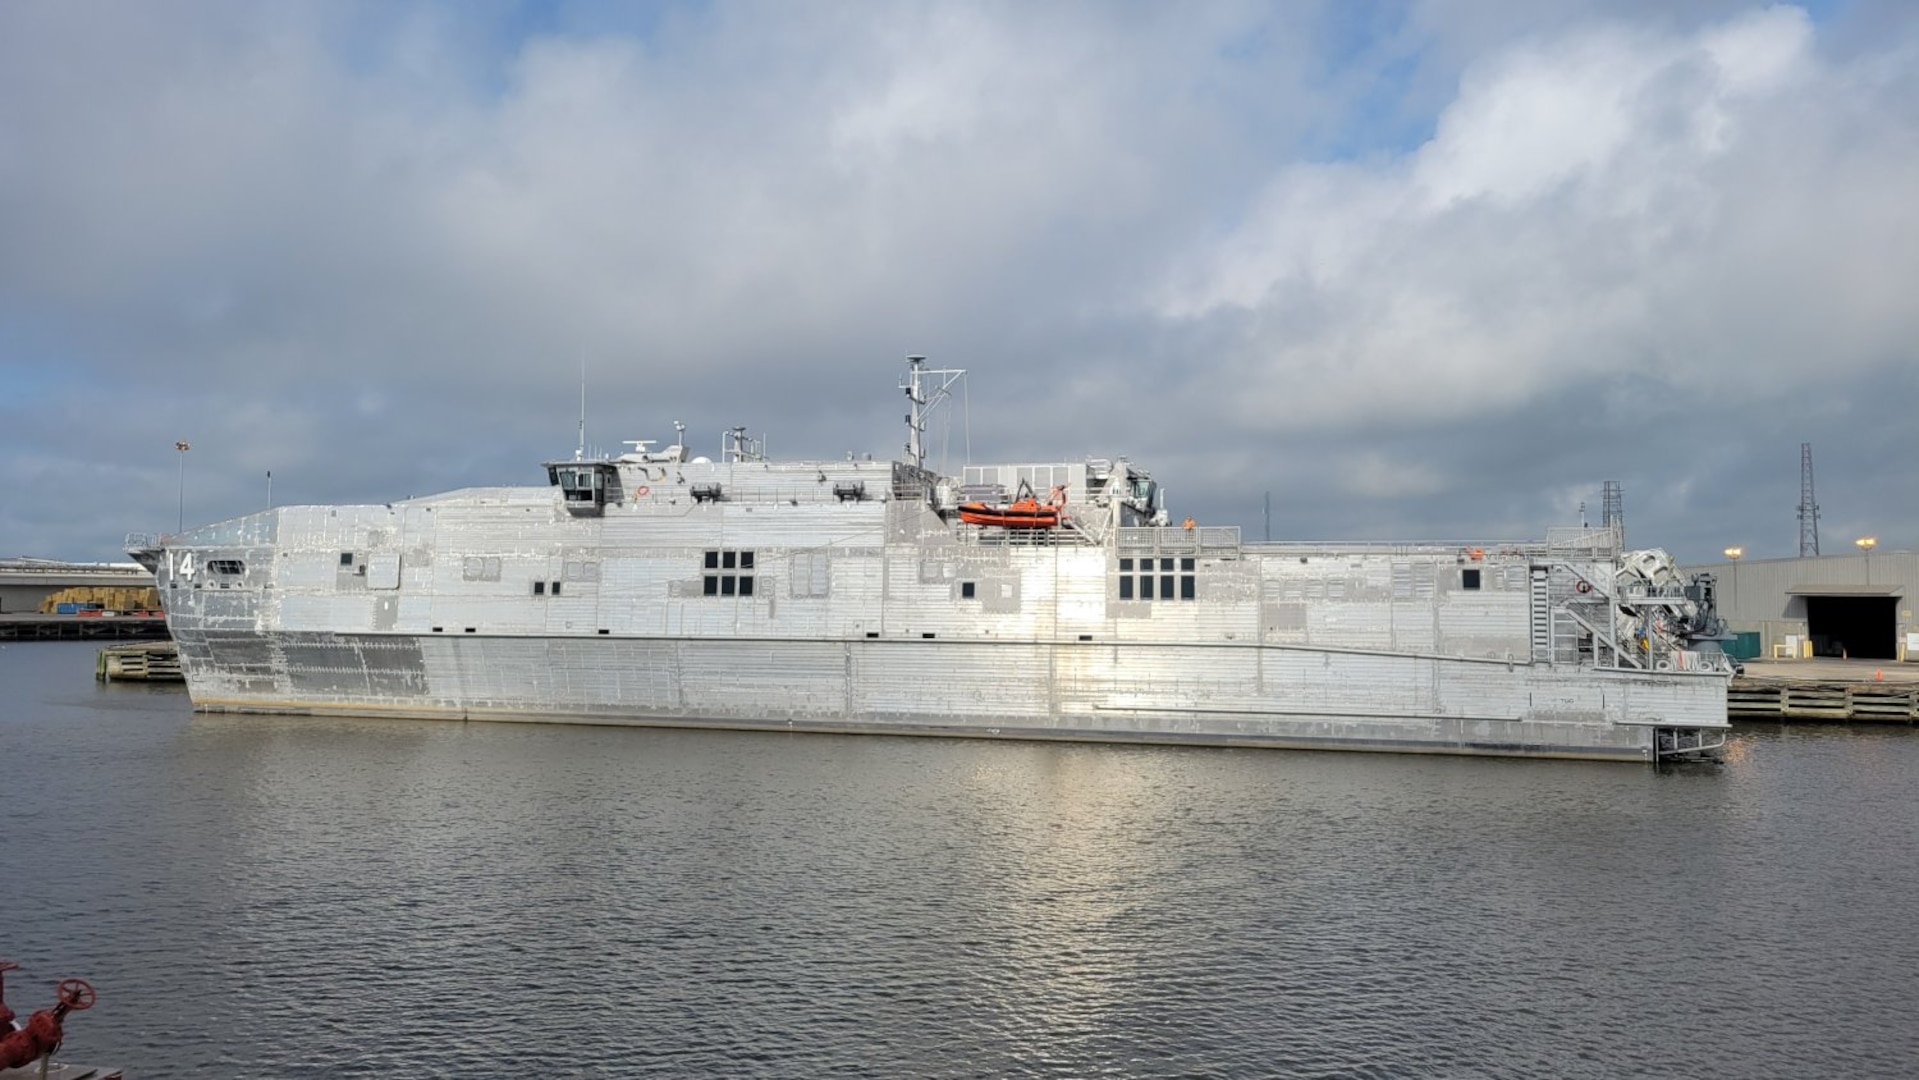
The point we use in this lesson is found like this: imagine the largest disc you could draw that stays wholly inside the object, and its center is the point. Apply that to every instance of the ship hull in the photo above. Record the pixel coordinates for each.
(1210, 695)
(841, 596)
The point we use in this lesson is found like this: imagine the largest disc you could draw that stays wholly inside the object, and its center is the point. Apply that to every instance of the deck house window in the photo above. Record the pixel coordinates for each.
(1469, 579)
(1157, 579)
(728, 573)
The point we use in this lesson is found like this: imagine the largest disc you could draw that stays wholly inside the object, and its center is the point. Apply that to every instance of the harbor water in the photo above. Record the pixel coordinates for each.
(320, 897)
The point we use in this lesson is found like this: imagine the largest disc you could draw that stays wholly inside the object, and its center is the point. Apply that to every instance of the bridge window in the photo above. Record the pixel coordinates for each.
(583, 485)
(579, 484)
(728, 573)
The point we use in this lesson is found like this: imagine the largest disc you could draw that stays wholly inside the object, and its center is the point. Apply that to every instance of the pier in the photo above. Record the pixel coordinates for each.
(1838, 691)
(50, 600)
(26, 583)
(81, 627)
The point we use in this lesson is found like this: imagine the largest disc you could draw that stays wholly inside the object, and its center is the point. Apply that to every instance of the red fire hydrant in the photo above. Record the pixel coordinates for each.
(41, 1036)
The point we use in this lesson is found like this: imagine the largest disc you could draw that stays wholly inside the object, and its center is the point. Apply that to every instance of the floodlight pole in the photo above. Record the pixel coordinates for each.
(182, 447)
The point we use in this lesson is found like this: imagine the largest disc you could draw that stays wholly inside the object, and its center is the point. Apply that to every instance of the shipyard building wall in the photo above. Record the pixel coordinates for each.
(1857, 605)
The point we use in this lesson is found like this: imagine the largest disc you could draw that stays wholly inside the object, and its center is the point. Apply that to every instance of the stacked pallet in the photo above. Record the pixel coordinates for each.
(84, 598)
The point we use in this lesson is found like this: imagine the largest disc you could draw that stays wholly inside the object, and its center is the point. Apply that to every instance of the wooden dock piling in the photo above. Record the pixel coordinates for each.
(1834, 691)
(147, 661)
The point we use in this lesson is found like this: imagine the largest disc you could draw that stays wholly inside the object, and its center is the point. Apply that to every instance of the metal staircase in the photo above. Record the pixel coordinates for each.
(1542, 608)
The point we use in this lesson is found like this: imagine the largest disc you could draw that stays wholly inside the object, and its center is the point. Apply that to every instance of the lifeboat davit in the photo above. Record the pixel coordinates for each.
(1025, 513)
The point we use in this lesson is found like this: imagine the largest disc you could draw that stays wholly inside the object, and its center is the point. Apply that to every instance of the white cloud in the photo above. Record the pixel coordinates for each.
(1696, 208)
(368, 247)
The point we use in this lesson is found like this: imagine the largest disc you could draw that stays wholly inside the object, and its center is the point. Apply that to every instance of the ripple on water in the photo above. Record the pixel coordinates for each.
(307, 897)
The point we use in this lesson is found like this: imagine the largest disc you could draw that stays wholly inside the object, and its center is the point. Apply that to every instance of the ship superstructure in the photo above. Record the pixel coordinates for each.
(655, 587)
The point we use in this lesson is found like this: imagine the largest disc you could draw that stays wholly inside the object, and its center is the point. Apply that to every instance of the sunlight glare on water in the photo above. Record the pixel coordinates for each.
(293, 896)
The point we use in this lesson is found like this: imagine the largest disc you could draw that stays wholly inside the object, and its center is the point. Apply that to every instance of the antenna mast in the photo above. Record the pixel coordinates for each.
(925, 397)
(1612, 507)
(737, 445)
(580, 453)
(1808, 509)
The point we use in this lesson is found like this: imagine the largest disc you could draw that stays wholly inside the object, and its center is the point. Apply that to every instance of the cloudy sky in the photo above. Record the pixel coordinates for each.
(1417, 269)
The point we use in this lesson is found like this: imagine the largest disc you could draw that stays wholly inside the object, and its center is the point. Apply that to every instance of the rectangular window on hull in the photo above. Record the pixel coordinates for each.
(1157, 579)
(728, 573)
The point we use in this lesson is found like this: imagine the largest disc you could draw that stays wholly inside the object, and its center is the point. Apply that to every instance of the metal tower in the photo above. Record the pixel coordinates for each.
(1612, 507)
(1808, 509)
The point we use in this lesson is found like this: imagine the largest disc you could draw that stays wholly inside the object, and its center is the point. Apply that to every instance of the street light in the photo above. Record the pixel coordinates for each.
(183, 448)
(1732, 556)
(1866, 544)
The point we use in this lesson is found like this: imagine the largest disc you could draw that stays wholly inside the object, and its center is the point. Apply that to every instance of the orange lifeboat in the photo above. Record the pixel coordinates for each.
(1026, 513)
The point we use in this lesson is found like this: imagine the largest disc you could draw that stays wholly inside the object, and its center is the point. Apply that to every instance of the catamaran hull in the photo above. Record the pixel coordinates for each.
(1211, 695)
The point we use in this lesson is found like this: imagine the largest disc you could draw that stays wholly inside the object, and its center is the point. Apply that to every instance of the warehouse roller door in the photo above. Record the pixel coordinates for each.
(1860, 627)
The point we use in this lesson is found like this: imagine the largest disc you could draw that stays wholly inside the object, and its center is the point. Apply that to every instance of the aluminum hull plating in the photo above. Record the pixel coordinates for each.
(1218, 695)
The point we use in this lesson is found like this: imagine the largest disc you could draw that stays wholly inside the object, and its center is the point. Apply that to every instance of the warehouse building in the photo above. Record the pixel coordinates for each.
(25, 583)
(1858, 605)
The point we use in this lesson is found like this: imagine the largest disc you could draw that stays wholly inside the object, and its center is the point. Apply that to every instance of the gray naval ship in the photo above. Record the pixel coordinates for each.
(1027, 601)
